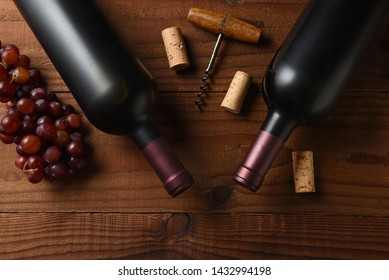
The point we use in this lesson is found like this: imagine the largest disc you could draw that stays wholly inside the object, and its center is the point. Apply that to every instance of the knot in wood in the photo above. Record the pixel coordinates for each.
(221, 194)
(233, 2)
(177, 224)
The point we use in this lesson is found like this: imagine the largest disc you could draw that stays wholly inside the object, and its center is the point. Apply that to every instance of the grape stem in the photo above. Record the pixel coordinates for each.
(2, 63)
(25, 170)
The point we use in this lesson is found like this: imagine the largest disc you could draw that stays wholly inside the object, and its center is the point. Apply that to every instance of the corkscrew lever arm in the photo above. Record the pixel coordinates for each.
(214, 53)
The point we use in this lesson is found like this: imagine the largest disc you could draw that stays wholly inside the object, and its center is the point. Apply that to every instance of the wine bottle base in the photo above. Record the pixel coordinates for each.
(179, 183)
(247, 178)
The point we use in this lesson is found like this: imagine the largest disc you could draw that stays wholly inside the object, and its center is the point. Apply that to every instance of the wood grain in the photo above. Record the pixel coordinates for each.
(192, 236)
(118, 209)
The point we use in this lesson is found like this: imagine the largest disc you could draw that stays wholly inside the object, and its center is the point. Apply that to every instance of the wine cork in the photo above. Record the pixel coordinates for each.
(236, 93)
(303, 172)
(175, 48)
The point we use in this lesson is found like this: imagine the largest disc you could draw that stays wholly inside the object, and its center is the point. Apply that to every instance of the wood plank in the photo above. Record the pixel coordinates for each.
(117, 208)
(192, 236)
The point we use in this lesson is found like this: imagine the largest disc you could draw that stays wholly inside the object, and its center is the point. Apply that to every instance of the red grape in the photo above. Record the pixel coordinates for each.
(61, 123)
(23, 61)
(36, 162)
(41, 106)
(51, 97)
(28, 126)
(76, 136)
(17, 139)
(57, 170)
(14, 111)
(75, 148)
(9, 56)
(20, 75)
(3, 73)
(25, 106)
(62, 138)
(7, 89)
(10, 123)
(21, 93)
(77, 162)
(55, 110)
(35, 176)
(74, 121)
(35, 75)
(44, 120)
(34, 116)
(68, 109)
(52, 154)
(46, 132)
(38, 93)
(30, 144)
(21, 161)
(11, 47)
(6, 138)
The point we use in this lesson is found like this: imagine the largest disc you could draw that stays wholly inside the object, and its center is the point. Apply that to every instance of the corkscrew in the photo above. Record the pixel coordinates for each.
(224, 26)
(204, 87)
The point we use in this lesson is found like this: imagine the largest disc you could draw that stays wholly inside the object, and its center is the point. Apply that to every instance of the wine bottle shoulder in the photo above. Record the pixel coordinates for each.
(313, 67)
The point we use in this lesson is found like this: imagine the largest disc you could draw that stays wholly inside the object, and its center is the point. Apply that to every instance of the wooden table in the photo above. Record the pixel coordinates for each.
(117, 208)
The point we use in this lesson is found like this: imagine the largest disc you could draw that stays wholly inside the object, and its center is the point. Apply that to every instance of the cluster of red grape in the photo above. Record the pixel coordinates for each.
(46, 132)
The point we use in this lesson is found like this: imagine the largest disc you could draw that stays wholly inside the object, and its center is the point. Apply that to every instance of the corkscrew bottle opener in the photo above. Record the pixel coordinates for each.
(225, 26)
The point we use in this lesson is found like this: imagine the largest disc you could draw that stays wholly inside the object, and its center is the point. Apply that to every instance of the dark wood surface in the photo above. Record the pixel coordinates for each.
(117, 208)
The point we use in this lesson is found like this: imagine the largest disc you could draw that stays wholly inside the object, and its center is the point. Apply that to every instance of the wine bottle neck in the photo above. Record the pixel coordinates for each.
(279, 124)
(144, 133)
(172, 173)
(175, 178)
(264, 150)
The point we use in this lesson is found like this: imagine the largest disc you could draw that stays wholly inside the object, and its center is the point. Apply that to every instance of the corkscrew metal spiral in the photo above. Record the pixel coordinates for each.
(205, 85)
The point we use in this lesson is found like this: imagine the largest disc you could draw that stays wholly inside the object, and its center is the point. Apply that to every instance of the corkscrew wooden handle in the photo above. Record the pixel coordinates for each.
(224, 24)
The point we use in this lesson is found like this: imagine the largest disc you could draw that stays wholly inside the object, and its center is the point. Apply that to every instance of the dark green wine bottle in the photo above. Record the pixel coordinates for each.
(309, 74)
(111, 86)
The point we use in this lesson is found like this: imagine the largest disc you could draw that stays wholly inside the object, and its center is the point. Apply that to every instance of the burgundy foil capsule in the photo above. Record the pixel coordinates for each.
(175, 177)
(258, 160)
